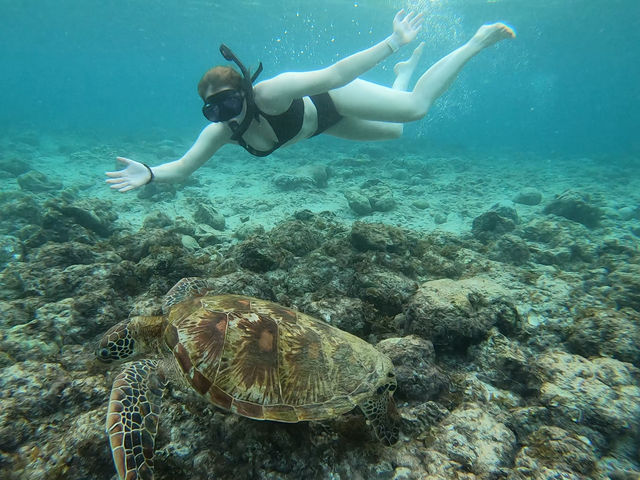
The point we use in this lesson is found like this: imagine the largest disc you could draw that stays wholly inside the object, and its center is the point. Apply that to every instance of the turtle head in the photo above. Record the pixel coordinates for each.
(387, 384)
(380, 410)
(118, 343)
(140, 334)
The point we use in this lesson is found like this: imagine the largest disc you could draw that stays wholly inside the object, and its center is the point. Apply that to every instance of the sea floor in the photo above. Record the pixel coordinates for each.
(432, 190)
(504, 286)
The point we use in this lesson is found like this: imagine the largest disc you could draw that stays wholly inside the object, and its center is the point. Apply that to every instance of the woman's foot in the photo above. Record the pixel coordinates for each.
(408, 66)
(487, 35)
(404, 70)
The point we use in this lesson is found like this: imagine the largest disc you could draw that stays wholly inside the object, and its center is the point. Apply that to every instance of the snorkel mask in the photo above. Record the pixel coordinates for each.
(225, 105)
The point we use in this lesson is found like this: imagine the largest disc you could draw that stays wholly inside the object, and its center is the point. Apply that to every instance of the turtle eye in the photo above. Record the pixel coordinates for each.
(381, 389)
(104, 354)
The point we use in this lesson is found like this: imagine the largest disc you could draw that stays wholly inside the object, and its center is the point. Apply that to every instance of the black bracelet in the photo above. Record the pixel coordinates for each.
(150, 173)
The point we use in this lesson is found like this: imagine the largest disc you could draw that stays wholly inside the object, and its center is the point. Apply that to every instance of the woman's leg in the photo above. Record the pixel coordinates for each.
(404, 70)
(353, 128)
(369, 101)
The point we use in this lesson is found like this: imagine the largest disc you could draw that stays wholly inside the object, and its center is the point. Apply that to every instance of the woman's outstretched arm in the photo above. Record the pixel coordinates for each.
(275, 95)
(135, 174)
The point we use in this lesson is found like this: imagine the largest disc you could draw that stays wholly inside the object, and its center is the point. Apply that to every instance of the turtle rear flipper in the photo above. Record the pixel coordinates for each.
(380, 410)
(185, 288)
(132, 419)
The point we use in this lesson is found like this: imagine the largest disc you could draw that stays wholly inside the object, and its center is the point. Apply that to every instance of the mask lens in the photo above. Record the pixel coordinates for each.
(222, 106)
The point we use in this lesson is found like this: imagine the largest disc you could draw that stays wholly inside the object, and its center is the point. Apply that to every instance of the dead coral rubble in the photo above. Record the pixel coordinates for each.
(509, 366)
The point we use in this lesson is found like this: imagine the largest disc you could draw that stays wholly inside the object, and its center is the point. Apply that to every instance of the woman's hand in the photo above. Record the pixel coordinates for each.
(405, 28)
(134, 175)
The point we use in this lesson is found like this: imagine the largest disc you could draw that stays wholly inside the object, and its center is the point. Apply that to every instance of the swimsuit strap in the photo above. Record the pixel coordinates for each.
(285, 125)
(258, 153)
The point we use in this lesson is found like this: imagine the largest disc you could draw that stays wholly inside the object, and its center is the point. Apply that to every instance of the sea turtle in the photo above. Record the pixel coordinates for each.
(249, 356)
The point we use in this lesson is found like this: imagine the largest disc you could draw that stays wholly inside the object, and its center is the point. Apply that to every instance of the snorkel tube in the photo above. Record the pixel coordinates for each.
(247, 87)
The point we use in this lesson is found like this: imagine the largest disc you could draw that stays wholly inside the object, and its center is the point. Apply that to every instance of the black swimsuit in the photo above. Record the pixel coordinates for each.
(288, 124)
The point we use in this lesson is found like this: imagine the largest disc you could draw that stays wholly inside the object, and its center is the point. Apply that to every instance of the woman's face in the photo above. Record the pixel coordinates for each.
(222, 103)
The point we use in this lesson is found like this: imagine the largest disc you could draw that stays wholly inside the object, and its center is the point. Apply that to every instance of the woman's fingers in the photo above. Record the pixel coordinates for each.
(119, 183)
(417, 21)
(122, 187)
(115, 180)
(410, 21)
(120, 180)
(118, 173)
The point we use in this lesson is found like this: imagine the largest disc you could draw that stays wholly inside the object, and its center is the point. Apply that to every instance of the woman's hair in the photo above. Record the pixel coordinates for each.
(218, 77)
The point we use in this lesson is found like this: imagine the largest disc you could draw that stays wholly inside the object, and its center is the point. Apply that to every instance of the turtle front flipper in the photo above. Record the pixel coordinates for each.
(185, 288)
(132, 419)
(381, 411)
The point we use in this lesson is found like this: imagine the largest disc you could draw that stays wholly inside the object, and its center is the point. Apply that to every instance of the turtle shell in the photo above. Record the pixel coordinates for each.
(264, 361)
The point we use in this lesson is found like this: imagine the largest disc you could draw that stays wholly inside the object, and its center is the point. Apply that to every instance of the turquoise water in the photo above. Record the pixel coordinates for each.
(492, 252)
(568, 83)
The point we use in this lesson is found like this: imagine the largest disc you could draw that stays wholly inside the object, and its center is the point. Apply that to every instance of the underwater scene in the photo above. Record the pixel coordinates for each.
(409, 249)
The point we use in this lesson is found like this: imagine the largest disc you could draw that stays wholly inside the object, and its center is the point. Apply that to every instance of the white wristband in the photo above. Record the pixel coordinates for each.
(393, 43)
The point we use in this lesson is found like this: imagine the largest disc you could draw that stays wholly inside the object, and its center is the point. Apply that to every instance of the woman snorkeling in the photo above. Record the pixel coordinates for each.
(294, 106)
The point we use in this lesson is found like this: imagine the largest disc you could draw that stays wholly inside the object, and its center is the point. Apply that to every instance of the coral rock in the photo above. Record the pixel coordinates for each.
(304, 177)
(210, 216)
(495, 222)
(37, 182)
(528, 196)
(625, 283)
(602, 393)
(474, 439)
(379, 237)
(358, 202)
(577, 207)
(551, 452)
(454, 313)
(416, 372)
(373, 195)
(614, 333)
(349, 314)
(512, 249)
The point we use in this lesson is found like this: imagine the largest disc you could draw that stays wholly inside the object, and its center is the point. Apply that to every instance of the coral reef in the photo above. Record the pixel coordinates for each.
(515, 344)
